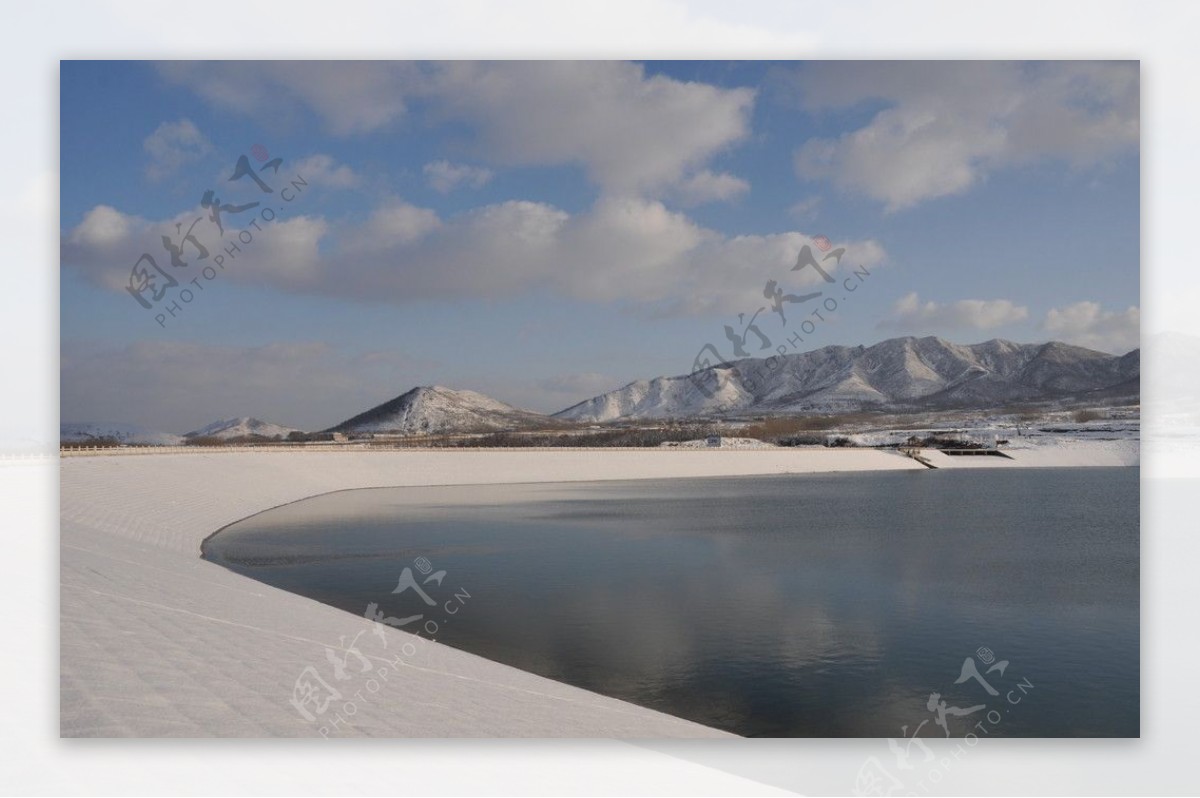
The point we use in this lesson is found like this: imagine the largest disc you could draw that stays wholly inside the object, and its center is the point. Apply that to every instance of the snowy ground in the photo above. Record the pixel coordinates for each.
(157, 642)
(1047, 444)
(726, 443)
(1066, 445)
(1047, 439)
(1047, 453)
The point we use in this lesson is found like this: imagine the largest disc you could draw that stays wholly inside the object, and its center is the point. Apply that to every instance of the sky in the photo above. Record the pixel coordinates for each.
(546, 231)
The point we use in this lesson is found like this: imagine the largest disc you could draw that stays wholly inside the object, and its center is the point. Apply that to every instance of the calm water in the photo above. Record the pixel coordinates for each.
(826, 605)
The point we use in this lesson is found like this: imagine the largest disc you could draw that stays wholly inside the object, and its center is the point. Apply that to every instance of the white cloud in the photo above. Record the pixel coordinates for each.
(631, 134)
(285, 254)
(805, 208)
(395, 224)
(1088, 324)
(103, 227)
(947, 126)
(173, 145)
(107, 243)
(911, 314)
(444, 176)
(350, 97)
(322, 170)
(631, 251)
(706, 186)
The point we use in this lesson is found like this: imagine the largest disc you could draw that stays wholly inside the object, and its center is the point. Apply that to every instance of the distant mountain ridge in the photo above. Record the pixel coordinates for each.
(244, 427)
(896, 374)
(434, 409)
(130, 434)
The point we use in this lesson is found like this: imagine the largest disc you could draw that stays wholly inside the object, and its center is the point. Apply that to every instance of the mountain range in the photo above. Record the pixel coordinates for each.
(99, 432)
(899, 374)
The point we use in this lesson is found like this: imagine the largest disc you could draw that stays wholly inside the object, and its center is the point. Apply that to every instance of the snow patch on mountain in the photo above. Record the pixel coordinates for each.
(896, 374)
(132, 434)
(244, 427)
(435, 409)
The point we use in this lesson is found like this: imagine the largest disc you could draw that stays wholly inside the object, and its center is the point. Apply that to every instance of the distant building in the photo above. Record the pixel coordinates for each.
(713, 440)
(340, 437)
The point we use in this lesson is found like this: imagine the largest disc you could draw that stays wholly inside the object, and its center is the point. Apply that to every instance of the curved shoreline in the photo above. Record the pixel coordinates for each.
(158, 642)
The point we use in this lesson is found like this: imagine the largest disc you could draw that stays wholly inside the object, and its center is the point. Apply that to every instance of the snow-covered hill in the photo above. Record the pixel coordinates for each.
(244, 427)
(434, 409)
(899, 373)
(88, 432)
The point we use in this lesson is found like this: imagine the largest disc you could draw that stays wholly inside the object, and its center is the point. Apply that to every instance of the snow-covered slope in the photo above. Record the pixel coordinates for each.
(897, 373)
(86, 432)
(434, 409)
(244, 427)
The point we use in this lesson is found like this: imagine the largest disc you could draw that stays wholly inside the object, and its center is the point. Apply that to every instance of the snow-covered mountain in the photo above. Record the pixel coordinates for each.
(244, 427)
(434, 409)
(87, 432)
(899, 373)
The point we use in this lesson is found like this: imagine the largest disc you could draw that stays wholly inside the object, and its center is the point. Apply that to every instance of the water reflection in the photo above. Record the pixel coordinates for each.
(828, 605)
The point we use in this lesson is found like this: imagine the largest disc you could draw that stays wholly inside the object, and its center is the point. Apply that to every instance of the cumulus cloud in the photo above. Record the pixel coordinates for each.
(105, 245)
(349, 97)
(909, 313)
(946, 127)
(805, 209)
(322, 170)
(394, 224)
(1088, 324)
(706, 186)
(444, 176)
(172, 146)
(630, 133)
(626, 250)
(103, 228)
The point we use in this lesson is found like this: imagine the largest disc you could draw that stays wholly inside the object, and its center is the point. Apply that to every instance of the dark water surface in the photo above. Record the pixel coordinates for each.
(812, 605)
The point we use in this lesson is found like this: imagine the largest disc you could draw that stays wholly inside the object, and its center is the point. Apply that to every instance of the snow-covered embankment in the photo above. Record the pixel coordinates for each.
(157, 642)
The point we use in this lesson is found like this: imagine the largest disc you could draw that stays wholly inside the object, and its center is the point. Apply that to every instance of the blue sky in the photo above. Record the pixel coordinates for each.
(543, 232)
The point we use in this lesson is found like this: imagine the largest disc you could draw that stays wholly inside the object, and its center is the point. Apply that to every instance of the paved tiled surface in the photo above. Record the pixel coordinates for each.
(157, 642)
